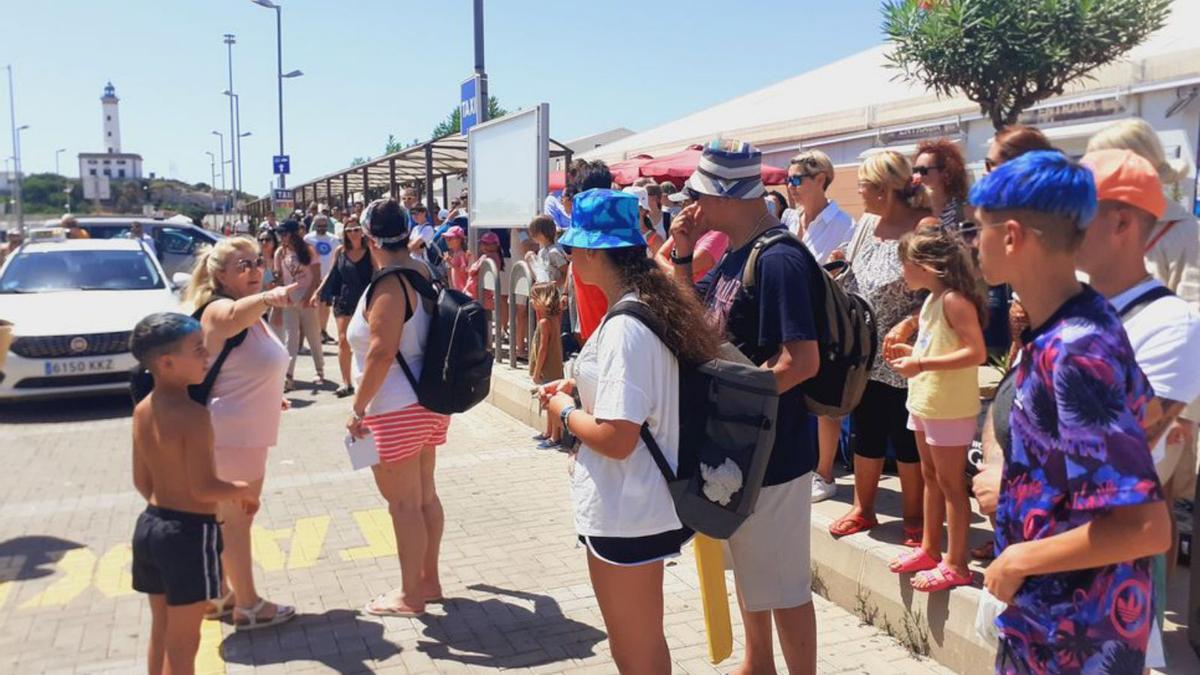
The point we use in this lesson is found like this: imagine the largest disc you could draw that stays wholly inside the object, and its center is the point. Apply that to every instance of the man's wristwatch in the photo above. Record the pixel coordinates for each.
(681, 259)
(564, 414)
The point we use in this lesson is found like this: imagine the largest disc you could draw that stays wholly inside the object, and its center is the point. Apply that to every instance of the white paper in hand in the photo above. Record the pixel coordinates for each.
(362, 451)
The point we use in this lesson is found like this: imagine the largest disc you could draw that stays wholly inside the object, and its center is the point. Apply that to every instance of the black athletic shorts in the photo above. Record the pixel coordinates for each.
(882, 416)
(631, 551)
(177, 554)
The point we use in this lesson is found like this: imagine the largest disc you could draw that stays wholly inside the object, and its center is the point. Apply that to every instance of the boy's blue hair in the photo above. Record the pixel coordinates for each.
(1044, 181)
(158, 334)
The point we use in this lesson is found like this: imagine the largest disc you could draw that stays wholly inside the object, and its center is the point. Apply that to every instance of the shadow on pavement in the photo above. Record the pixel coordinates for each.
(339, 639)
(83, 409)
(24, 558)
(494, 633)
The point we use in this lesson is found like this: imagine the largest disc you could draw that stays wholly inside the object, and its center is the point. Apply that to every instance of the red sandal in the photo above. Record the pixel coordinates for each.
(848, 525)
(940, 578)
(913, 536)
(916, 560)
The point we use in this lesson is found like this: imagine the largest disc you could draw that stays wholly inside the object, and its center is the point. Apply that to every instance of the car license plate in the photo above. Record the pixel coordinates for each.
(78, 366)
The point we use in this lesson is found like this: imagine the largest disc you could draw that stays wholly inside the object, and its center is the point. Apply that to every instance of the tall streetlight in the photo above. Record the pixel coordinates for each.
(230, 40)
(239, 179)
(16, 145)
(212, 185)
(279, 70)
(56, 154)
(224, 199)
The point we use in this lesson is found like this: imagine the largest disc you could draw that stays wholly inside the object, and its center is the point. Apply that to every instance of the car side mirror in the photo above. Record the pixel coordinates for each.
(180, 280)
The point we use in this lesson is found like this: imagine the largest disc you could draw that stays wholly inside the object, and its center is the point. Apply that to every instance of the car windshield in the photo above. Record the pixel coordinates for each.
(48, 271)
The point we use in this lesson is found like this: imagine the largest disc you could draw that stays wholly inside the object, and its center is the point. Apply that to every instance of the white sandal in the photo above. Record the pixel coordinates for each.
(283, 614)
(220, 608)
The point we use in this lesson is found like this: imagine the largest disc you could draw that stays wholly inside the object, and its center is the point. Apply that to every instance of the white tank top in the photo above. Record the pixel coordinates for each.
(246, 397)
(396, 393)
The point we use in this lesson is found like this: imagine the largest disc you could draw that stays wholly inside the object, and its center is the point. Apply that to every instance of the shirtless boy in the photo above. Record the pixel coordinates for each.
(176, 543)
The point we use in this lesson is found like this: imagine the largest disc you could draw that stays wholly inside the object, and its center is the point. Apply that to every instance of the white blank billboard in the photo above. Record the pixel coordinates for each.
(507, 168)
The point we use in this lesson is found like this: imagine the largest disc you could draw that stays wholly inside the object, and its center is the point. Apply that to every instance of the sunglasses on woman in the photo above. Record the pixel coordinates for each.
(797, 179)
(246, 264)
(924, 170)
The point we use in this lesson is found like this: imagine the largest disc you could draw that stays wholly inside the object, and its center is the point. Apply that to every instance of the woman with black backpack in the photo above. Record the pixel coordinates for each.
(626, 377)
(391, 322)
(246, 402)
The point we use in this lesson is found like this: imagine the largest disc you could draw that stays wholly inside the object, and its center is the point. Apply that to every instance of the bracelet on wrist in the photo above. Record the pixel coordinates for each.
(681, 259)
(564, 415)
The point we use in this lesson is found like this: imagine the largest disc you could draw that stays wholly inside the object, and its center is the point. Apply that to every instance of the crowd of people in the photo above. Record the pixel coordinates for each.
(1083, 274)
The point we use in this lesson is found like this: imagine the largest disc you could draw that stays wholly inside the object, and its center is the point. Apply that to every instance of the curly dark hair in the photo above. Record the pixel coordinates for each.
(950, 158)
(688, 334)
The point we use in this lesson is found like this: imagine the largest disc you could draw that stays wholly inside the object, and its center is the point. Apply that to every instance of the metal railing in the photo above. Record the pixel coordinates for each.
(491, 272)
(521, 272)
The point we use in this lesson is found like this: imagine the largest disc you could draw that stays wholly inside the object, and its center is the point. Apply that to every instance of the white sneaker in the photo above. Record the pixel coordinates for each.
(822, 490)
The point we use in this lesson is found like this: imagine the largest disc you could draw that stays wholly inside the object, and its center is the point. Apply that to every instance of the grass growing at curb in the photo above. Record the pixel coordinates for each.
(912, 632)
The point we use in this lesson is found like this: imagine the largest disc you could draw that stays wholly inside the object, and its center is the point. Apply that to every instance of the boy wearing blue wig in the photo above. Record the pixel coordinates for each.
(1080, 510)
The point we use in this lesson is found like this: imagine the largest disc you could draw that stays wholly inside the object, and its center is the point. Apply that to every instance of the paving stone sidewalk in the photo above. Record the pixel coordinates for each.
(520, 597)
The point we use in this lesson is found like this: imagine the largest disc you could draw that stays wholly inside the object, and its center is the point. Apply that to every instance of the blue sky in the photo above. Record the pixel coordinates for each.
(374, 67)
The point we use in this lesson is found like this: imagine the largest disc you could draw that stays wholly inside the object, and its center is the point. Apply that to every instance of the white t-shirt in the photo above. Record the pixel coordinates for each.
(1166, 343)
(550, 264)
(830, 230)
(423, 232)
(324, 244)
(624, 372)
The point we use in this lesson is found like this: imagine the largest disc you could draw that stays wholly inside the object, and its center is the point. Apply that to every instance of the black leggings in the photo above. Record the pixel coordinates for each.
(882, 416)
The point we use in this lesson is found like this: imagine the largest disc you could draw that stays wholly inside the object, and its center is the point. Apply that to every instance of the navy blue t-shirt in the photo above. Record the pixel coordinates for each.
(784, 313)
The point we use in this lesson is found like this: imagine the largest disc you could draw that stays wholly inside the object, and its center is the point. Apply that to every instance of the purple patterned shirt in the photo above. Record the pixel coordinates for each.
(1077, 451)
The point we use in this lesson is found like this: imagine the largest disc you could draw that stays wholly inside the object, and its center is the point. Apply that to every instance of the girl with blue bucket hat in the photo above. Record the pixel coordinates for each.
(626, 376)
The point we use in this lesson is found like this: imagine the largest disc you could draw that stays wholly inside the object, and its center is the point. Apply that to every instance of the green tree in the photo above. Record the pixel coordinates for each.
(1007, 55)
(453, 122)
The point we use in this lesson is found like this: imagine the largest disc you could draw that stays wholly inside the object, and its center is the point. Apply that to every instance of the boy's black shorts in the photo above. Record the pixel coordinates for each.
(177, 554)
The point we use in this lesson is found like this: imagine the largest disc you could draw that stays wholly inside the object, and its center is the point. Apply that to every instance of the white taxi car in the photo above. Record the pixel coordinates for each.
(73, 304)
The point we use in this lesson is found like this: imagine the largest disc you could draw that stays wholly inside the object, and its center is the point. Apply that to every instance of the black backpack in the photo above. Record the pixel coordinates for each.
(456, 371)
(141, 382)
(847, 339)
(727, 412)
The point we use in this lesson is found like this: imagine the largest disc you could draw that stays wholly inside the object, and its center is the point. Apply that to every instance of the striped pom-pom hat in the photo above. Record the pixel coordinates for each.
(729, 168)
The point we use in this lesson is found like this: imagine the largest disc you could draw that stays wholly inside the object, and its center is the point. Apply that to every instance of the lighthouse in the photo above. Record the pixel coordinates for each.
(98, 169)
(112, 119)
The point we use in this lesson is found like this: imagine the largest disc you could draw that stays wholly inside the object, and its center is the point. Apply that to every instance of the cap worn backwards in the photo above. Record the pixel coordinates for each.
(1126, 177)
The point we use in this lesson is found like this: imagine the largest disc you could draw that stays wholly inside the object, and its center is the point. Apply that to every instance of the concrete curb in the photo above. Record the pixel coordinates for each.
(850, 571)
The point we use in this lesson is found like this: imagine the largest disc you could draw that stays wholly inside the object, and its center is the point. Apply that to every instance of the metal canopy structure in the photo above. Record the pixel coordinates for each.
(419, 164)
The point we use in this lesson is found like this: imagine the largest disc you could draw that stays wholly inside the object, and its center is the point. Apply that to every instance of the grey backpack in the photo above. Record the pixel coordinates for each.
(727, 414)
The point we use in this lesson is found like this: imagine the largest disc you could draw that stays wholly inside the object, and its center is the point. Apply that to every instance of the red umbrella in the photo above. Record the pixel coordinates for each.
(679, 166)
(626, 171)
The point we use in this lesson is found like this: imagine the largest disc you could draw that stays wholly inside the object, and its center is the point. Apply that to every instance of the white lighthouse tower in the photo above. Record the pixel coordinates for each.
(112, 120)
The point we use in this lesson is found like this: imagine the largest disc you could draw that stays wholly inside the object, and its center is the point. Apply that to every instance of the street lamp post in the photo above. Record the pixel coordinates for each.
(58, 152)
(225, 198)
(16, 144)
(212, 185)
(279, 70)
(230, 40)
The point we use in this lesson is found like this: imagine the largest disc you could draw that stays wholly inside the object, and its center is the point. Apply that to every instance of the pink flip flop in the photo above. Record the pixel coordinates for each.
(916, 560)
(940, 578)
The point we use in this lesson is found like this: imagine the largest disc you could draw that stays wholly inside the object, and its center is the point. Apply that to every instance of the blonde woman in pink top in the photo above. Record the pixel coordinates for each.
(245, 404)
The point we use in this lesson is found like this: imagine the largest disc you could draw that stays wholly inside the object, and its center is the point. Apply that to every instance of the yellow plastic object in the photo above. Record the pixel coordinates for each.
(710, 563)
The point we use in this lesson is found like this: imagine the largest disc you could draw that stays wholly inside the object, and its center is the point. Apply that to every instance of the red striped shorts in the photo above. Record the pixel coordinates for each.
(401, 434)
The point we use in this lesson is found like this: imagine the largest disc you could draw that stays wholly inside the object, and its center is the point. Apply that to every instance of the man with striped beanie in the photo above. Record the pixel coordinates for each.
(774, 326)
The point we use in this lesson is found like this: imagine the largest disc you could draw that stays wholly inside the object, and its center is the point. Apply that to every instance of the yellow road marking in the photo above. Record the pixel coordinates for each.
(265, 549)
(77, 566)
(308, 539)
(5, 587)
(376, 528)
(113, 577)
(208, 658)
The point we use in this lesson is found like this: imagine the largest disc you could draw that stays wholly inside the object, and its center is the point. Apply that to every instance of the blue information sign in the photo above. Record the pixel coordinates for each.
(282, 164)
(469, 103)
